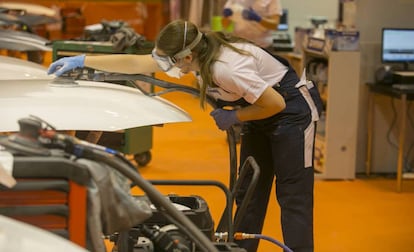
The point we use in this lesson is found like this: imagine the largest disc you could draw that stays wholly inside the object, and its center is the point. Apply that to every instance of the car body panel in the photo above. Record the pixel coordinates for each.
(18, 236)
(77, 105)
(18, 69)
(23, 41)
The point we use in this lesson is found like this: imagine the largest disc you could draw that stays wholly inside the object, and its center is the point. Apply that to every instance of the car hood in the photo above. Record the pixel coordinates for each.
(26, 89)
(18, 69)
(83, 105)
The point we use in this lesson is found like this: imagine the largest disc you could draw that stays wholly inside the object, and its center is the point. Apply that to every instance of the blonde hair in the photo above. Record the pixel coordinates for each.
(171, 39)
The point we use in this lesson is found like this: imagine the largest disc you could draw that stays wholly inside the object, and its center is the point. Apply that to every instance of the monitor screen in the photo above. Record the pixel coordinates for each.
(283, 22)
(397, 45)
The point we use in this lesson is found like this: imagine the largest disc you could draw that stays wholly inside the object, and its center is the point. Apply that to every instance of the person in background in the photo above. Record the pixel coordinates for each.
(253, 20)
(277, 108)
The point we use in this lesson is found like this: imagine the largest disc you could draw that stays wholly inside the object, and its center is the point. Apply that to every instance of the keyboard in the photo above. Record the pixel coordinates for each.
(403, 86)
(404, 73)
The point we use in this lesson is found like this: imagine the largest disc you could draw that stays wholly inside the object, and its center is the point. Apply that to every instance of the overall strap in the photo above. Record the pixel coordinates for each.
(291, 77)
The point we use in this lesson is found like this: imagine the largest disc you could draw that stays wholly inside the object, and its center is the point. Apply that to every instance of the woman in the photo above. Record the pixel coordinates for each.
(254, 20)
(277, 112)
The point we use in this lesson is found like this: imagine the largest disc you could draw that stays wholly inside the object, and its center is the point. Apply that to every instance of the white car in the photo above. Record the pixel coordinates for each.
(26, 89)
(11, 238)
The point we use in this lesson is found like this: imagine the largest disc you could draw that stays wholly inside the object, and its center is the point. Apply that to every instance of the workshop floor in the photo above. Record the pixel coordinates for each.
(365, 214)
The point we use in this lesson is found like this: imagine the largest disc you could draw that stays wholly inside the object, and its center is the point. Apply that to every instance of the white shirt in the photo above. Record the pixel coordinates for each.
(252, 30)
(244, 76)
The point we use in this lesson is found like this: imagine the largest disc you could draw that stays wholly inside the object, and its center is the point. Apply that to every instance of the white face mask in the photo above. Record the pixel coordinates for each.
(164, 62)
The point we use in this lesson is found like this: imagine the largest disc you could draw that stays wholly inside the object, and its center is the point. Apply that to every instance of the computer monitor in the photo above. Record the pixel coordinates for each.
(283, 22)
(398, 46)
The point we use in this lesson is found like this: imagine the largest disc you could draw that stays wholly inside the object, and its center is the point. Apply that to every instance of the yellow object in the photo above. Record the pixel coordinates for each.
(217, 24)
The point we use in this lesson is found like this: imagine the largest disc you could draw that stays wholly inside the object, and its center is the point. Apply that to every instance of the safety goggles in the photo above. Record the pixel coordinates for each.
(167, 62)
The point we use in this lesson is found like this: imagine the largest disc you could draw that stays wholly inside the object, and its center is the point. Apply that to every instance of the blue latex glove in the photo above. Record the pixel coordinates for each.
(224, 118)
(66, 64)
(227, 12)
(250, 14)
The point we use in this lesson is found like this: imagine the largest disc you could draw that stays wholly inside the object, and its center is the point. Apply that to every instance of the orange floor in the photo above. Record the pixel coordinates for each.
(360, 215)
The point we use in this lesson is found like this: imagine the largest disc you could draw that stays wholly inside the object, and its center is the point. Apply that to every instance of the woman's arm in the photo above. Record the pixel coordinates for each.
(268, 104)
(115, 63)
(122, 63)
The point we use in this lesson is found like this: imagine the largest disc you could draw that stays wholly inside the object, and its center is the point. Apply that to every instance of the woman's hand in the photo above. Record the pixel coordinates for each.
(250, 14)
(227, 12)
(224, 118)
(66, 64)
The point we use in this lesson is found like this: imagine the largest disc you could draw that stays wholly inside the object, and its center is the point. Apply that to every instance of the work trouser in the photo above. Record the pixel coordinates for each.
(283, 147)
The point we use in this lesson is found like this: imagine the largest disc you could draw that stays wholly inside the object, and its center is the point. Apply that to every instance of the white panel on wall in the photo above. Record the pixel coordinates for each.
(300, 12)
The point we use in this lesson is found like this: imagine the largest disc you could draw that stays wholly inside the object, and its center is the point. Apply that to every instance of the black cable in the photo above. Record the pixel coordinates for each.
(406, 163)
(169, 87)
(32, 128)
(173, 87)
(393, 122)
(155, 197)
(411, 120)
(91, 74)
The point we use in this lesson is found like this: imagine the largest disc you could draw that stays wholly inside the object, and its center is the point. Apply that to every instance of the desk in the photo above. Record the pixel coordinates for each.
(403, 95)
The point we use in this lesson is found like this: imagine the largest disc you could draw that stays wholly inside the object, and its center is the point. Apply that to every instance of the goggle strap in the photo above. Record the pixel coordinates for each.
(187, 51)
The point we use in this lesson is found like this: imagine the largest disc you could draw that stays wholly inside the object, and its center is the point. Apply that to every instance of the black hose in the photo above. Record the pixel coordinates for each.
(172, 87)
(154, 195)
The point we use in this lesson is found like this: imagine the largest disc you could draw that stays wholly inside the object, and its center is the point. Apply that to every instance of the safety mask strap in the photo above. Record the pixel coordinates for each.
(187, 50)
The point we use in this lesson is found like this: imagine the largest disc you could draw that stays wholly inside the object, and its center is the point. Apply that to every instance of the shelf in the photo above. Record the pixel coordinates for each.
(336, 139)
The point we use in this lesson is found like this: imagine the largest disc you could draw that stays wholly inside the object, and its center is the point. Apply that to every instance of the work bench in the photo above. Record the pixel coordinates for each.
(396, 93)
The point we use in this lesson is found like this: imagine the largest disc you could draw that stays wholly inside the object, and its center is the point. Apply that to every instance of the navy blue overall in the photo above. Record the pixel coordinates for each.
(278, 144)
